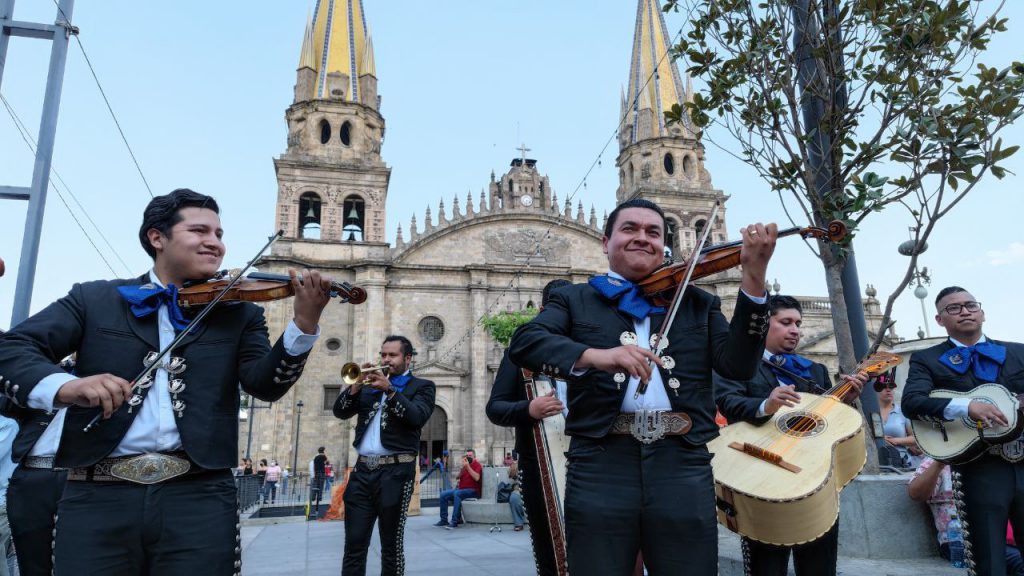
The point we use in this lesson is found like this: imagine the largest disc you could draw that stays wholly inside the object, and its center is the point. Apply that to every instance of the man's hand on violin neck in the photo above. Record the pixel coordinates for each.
(312, 293)
(104, 390)
(630, 359)
(758, 245)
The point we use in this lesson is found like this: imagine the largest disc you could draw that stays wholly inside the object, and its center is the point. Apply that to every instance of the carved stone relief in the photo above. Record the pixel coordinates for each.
(526, 244)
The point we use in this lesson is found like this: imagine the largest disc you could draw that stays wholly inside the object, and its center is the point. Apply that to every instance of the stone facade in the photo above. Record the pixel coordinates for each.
(474, 259)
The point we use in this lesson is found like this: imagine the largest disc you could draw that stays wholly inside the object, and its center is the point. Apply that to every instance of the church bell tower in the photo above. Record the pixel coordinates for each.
(662, 163)
(332, 181)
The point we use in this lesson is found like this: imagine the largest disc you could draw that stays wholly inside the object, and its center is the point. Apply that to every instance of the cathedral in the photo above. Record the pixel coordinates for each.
(437, 278)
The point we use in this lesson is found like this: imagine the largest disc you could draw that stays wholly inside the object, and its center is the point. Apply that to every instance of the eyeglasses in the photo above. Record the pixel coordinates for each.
(879, 385)
(954, 309)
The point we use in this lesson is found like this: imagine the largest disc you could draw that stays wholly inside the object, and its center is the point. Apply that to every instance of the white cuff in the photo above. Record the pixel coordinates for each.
(756, 299)
(957, 408)
(297, 342)
(760, 409)
(43, 396)
(577, 372)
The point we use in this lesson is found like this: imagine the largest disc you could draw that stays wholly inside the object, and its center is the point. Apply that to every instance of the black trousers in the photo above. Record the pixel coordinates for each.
(32, 497)
(537, 515)
(623, 497)
(993, 493)
(817, 558)
(381, 496)
(183, 527)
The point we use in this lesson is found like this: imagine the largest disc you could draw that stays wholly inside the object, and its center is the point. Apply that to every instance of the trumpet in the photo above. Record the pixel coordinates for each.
(352, 372)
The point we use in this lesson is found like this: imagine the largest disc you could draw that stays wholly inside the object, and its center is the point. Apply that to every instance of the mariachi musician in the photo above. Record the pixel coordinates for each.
(164, 446)
(509, 406)
(392, 407)
(639, 472)
(989, 490)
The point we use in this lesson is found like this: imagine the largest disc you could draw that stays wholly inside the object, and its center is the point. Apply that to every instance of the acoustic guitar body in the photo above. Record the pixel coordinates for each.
(958, 441)
(779, 483)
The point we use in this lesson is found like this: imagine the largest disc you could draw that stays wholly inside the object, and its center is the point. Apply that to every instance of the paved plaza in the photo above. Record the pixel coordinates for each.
(295, 547)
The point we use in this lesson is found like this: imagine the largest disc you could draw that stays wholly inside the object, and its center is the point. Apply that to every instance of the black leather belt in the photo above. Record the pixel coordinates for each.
(374, 462)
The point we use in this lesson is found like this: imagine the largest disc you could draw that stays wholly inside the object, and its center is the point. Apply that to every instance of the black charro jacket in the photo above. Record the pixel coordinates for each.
(738, 400)
(405, 414)
(578, 317)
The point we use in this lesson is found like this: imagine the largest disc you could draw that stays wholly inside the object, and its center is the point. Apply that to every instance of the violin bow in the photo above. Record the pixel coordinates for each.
(678, 298)
(152, 366)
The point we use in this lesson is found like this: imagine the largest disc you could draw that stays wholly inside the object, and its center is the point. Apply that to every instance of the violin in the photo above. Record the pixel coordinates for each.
(660, 285)
(256, 287)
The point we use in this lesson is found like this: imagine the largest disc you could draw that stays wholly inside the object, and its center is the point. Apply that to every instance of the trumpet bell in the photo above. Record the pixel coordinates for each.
(352, 372)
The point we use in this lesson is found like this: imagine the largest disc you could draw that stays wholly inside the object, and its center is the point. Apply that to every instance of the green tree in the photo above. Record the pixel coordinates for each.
(502, 325)
(910, 115)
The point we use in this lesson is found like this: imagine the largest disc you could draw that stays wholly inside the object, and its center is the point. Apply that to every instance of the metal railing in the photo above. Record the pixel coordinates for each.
(287, 494)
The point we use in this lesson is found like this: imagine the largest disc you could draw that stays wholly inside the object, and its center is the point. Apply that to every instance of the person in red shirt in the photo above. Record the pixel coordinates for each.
(470, 486)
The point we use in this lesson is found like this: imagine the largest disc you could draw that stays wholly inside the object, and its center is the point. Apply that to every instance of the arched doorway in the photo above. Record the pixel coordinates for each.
(433, 445)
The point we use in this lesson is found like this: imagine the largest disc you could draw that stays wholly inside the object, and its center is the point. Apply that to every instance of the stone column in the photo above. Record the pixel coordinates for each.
(478, 385)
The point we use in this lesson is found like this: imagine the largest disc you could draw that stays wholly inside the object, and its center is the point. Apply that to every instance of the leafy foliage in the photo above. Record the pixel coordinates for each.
(502, 325)
(909, 116)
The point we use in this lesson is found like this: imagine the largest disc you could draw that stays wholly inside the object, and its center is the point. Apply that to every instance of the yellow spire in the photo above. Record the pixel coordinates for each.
(306, 58)
(654, 81)
(340, 42)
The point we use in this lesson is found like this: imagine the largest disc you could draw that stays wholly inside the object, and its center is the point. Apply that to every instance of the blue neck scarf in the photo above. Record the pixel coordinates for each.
(148, 298)
(986, 358)
(793, 363)
(630, 299)
(399, 382)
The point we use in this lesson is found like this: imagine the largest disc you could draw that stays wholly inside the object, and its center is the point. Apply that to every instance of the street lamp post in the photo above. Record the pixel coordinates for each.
(295, 449)
(911, 248)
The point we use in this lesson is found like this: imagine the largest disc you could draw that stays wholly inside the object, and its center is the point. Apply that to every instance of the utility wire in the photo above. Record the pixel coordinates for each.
(517, 276)
(27, 137)
(110, 108)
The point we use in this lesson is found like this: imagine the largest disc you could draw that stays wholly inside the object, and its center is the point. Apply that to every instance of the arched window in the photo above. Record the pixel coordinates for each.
(698, 229)
(325, 131)
(354, 210)
(688, 168)
(671, 237)
(670, 164)
(346, 133)
(631, 174)
(309, 216)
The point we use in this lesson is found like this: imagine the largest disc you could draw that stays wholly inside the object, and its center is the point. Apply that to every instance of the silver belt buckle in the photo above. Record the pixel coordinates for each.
(648, 426)
(372, 462)
(151, 468)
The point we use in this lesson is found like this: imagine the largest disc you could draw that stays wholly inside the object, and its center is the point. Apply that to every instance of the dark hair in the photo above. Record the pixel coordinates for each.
(634, 203)
(780, 302)
(550, 287)
(407, 349)
(263, 461)
(946, 292)
(470, 450)
(320, 450)
(163, 212)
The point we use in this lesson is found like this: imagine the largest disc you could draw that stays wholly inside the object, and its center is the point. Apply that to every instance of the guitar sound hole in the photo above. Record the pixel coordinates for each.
(801, 424)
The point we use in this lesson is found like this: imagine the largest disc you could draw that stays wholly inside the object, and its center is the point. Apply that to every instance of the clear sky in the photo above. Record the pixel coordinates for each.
(200, 89)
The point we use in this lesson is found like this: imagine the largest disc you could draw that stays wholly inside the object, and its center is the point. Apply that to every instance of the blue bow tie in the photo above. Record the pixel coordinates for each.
(986, 358)
(792, 363)
(630, 299)
(148, 298)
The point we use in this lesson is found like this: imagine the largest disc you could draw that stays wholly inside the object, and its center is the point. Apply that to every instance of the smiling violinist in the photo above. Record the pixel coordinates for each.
(149, 490)
(639, 472)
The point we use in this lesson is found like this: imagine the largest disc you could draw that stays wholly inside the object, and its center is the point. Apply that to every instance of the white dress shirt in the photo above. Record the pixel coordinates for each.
(155, 428)
(371, 444)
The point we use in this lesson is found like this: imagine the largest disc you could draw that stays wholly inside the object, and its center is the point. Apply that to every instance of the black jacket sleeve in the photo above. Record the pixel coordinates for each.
(737, 347)
(916, 404)
(266, 373)
(735, 401)
(508, 405)
(346, 405)
(544, 344)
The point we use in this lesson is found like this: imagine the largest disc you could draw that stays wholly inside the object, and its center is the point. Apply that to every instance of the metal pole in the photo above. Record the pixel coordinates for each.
(252, 414)
(295, 449)
(812, 88)
(44, 155)
(6, 14)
